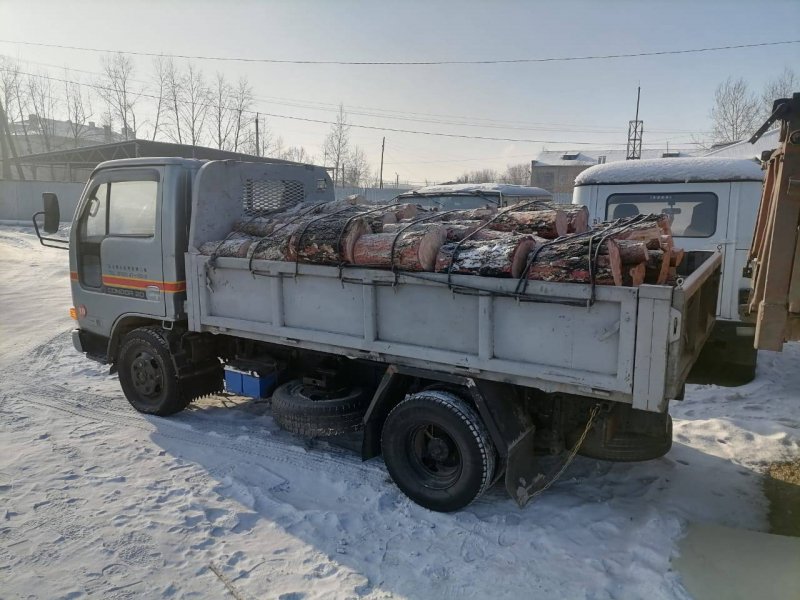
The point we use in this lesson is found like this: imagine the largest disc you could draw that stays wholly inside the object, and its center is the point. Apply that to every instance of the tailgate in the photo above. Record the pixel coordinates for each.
(673, 325)
(694, 302)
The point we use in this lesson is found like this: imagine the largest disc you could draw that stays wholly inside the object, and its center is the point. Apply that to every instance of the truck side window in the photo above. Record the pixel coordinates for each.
(132, 208)
(94, 224)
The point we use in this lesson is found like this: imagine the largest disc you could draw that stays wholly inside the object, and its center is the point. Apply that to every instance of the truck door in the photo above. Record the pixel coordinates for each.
(118, 241)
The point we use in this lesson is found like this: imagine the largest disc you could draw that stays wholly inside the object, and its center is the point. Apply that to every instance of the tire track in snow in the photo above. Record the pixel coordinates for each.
(277, 451)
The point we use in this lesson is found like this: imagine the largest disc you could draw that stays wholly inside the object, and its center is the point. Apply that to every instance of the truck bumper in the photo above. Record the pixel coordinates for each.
(91, 345)
(76, 340)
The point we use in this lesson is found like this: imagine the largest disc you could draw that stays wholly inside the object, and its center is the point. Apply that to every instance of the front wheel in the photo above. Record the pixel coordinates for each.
(438, 451)
(150, 381)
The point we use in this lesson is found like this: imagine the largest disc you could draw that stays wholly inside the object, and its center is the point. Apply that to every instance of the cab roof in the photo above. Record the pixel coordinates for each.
(672, 170)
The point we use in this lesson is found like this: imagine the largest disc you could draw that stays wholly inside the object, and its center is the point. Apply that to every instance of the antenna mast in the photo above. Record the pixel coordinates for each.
(635, 131)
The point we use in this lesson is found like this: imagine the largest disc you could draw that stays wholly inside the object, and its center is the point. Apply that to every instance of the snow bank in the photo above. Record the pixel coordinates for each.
(672, 170)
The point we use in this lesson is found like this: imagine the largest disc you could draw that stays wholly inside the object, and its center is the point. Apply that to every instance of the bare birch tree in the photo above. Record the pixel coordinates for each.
(197, 97)
(174, 91)
(519, 174)
(736, 111)
(783, 86)
(159, 81)
(337, 143)
(78, 108)
(43, 103)
(15, 98)
(297, 154)
(115, 87)
(356, 169)
(223, 115)
(242, 103)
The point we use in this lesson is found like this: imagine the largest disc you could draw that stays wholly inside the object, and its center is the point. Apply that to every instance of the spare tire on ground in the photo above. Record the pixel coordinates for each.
(312, 411)
(626, 435)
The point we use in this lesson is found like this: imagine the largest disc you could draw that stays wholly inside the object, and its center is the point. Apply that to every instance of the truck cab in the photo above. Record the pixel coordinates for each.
(465, 196)
(712, 205)
(130, 234)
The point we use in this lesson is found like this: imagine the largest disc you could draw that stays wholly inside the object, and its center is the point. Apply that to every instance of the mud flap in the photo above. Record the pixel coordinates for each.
(521, 469)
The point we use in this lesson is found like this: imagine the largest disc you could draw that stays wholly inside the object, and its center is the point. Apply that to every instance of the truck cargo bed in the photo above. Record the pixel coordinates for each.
(631, 345)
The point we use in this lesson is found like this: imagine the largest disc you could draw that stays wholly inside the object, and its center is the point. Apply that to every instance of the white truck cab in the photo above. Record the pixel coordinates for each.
(712, 204)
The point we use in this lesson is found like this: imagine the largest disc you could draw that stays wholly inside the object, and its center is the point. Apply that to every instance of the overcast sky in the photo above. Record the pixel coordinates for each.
(565, 102)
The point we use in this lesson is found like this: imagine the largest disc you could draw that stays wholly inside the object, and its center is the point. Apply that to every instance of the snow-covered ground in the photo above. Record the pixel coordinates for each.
(97, 500)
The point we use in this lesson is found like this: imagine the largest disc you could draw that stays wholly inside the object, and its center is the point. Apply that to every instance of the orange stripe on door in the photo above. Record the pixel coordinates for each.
(134, 283)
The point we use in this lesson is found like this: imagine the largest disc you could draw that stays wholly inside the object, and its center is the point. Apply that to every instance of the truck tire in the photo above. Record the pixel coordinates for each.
(149, 379)
(438, 450)
(311, 411)
(625, 445)
(147, 374)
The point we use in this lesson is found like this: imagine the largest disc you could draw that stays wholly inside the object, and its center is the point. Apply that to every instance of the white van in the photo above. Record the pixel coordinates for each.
(457, 196)
(712, 204)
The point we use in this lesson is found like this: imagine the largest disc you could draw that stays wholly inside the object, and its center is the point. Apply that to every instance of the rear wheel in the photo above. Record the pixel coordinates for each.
(438, 451)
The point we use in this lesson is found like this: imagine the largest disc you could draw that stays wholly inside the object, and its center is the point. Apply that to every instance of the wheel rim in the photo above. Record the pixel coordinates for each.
(434, 456)
(147, 375)
(315, 394)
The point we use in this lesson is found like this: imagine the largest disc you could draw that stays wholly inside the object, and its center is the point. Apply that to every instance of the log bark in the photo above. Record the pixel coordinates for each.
(234, 246)
(504, 256)
(578, 217)
(677, 257)
(635, 275)
(458, 230)
(327, 241)
(548, 224)
(630, 251)
(658, 266)
(258, 226)
(569, 261)
(414, 250)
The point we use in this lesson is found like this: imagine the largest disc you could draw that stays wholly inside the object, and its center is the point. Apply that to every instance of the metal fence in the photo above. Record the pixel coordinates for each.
(20, 199)
(371, 194)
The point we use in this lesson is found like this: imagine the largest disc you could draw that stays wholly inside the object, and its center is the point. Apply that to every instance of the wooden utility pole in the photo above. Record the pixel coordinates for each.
(258, 147)
(383, 146)
(396, 180)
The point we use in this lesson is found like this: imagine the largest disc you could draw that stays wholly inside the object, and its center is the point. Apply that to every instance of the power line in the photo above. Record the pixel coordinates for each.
(462, 121)
(409, 63)
(358, 126)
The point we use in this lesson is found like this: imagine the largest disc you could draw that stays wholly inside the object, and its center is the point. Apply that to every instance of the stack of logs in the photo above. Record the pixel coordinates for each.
(538, 240)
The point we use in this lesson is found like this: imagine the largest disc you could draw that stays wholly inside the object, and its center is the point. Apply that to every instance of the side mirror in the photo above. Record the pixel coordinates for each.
(52, 214)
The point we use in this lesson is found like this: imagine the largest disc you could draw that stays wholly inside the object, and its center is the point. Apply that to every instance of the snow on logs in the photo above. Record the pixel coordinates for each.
(502, 255)
(538, 240)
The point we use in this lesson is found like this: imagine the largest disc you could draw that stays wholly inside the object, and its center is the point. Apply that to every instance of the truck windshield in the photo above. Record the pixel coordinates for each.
(691, 214)
(450, 202)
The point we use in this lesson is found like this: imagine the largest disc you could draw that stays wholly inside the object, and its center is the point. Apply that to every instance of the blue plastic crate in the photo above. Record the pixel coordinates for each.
(249, 383)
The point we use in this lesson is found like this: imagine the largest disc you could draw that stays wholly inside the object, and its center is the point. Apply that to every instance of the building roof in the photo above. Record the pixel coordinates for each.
(744, 149)
(88, 132)
(592, 157)
(90, 156)
(672, 170)
(505, 189)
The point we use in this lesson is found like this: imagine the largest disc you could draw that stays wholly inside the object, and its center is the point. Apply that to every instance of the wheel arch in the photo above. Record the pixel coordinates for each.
(498, 405)
(124, 325)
